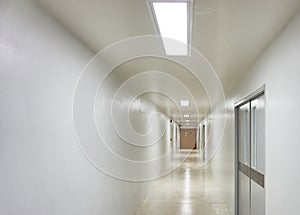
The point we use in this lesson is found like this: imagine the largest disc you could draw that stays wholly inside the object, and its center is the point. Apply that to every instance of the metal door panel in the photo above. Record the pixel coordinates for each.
(258, 156)
(257, 199)
(244, 194)
(244, 159)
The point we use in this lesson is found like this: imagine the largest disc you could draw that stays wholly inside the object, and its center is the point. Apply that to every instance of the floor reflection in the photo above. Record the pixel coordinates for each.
(190, 189)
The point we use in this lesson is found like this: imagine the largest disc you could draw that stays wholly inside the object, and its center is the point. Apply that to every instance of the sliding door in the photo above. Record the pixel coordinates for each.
(251, 156)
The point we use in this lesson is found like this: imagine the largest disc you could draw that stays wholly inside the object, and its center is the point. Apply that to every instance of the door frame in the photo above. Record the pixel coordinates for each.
(257, 93)
(203, 140)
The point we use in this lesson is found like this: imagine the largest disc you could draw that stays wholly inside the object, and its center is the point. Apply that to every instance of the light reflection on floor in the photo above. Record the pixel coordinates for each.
(189, 190)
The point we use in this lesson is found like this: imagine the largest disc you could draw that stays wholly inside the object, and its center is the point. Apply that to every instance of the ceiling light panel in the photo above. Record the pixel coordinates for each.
(173, 23)
(184, 103)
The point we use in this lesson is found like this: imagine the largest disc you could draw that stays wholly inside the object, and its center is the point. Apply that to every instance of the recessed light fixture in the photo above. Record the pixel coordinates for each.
(187, 120)
(173, 21)
(186, 115)
(187, 123)
(184, 103)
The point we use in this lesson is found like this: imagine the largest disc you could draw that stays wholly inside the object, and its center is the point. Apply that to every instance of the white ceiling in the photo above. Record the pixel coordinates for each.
(168, 103)
(230, 33)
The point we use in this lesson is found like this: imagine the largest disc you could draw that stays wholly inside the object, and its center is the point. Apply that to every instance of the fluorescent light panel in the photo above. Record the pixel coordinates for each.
(186, 115)
(172, 23)
(184, 103)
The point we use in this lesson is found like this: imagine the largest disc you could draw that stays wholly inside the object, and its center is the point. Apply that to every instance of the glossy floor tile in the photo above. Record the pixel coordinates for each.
(188, 190)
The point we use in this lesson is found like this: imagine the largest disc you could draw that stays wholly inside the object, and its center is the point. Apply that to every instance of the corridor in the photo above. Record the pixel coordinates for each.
(101, 101)
(188, 190)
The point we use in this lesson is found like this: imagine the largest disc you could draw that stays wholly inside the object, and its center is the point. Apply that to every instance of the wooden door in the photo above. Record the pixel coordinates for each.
(187, 138)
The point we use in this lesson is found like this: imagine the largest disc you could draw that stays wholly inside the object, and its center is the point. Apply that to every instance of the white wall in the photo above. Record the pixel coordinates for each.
(279, 69)
(42, 168)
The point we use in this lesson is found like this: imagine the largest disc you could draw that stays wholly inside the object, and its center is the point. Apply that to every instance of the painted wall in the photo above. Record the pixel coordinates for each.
(43, 170)
(278, 67)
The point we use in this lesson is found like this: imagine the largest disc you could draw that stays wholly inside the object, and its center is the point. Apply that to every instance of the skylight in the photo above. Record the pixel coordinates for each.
(172, 20)
(184, 103)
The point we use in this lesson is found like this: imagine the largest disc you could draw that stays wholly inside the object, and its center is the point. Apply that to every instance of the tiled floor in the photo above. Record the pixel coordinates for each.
(190, 189)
